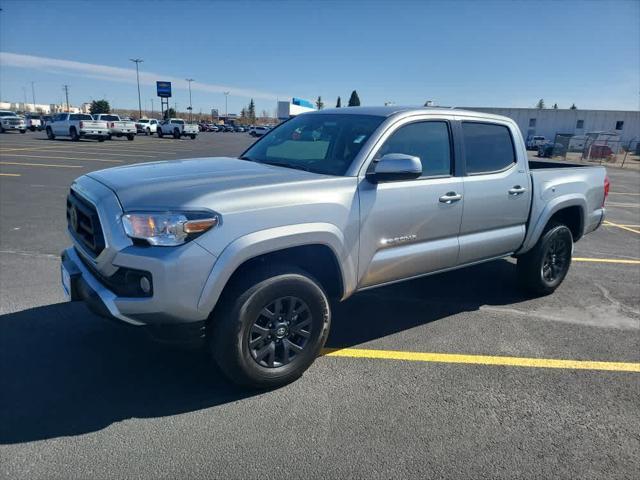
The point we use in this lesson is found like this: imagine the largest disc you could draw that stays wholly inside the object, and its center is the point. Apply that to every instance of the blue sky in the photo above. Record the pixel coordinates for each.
(501, 53)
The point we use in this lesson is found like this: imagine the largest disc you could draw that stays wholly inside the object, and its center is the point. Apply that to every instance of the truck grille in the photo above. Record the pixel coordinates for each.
(83, 224)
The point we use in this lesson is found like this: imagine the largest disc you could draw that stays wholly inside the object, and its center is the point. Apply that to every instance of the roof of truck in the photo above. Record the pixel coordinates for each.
(393, 110)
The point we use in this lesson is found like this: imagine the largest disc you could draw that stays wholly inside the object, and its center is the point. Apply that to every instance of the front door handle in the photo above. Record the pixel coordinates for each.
(450, 197)
(517, 190)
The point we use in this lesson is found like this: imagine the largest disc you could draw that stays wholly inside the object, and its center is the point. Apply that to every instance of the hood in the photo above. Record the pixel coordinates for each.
(191, 183)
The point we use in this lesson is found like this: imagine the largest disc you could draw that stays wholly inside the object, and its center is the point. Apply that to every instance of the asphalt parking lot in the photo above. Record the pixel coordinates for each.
(419, 381)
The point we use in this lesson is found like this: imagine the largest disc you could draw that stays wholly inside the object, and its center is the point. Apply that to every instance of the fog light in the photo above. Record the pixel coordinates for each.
(145, 285)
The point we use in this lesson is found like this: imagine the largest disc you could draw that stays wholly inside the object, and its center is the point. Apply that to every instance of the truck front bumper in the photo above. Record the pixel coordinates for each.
(170, 313)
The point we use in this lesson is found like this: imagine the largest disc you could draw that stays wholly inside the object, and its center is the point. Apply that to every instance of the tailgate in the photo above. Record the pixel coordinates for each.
(93, 124)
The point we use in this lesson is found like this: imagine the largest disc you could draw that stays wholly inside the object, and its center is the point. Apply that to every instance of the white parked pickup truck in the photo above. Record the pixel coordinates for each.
(117, 126)
(178, 128)
(148, 126)
(76, 126)
(10, 121)
(32, 121)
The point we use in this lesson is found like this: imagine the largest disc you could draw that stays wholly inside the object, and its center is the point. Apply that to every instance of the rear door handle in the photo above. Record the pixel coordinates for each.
(517, 190)
(450, 197)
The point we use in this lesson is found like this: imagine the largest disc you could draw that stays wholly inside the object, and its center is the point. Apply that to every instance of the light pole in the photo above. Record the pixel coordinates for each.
(152, 108)
(138, 61)
(190, 105)
(226, 109)
(33, 95)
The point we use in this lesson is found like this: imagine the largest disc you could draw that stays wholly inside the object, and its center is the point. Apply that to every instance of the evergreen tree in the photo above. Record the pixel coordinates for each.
(540, 104)
(555, 106)
(251, 111)
(338, 103)
(354, 100)
(573, 107)
(319, 103)
(100, 106)
(171, 113)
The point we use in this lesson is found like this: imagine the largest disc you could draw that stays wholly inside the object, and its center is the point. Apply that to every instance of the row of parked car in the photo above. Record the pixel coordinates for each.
(253, 130)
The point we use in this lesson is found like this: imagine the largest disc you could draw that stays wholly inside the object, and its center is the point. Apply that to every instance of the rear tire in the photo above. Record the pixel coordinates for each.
(23, 131)
(269, 327)
(160, 134)
(74, 134)
(542, 269)
(101, 139)
(193, 137)
(50, 134)
(130, 137)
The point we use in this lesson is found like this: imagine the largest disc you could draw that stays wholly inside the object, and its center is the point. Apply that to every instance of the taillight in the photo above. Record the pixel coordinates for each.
(81, 124)
(607, 184)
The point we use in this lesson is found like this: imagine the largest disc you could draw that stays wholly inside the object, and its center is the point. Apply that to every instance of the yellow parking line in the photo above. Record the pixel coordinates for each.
(623, 227)
(67, 158)
(41, 165)
(606, 260)
(481, 359)
(10, 175)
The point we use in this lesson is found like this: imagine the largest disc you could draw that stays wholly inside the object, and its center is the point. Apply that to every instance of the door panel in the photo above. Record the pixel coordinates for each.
(406, 230)
(496, 205)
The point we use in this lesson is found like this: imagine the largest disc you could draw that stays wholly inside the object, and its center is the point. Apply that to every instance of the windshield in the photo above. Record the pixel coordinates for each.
(319, 143)
(7, 114)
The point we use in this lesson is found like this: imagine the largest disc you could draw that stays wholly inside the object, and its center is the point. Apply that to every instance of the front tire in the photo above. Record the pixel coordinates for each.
(74, 134)
(270, 327)
(542, 269)
(148, 131)
(160, 134)
(176, 134)
(50, 134)
(23, 131)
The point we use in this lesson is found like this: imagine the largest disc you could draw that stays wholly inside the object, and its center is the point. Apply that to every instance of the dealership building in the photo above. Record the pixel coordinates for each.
(552, 122)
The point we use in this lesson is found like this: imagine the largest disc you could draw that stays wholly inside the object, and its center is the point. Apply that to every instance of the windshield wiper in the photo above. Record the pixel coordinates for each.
(288, 165)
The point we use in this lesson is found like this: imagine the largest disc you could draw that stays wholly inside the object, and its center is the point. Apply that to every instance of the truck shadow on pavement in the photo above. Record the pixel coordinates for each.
(65, 372)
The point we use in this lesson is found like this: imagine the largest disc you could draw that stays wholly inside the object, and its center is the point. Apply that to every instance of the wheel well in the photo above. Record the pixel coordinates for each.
(572, 217)
(317, 260)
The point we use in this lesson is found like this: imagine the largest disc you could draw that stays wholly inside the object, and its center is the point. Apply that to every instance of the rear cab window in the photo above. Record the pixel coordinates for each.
(488, 147)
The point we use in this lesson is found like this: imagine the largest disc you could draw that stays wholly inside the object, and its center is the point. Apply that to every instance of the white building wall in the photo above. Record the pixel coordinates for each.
(549, 122)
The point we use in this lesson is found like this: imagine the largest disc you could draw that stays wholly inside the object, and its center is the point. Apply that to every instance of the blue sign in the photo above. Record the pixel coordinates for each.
(303, 103)
(164, 89)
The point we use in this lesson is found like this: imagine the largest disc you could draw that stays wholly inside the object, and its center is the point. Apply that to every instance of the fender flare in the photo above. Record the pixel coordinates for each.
(270, 240)
(550, 209)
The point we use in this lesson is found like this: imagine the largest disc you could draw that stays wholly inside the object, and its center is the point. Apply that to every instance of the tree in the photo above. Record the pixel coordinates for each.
(319, 103)
(243, 113)
(540, 104)
(338, 103)
(171, 113)
(555, 106)
(354, 100)
(251, 111)
(573, 107)
(100, 106)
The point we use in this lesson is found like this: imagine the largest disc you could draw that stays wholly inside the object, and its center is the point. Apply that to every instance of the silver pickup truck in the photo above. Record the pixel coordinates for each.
(245, 253)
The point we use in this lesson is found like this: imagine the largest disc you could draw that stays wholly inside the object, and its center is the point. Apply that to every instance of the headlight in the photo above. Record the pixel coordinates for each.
(168, 229)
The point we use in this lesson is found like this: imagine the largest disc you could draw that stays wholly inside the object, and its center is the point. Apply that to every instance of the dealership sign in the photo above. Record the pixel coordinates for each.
(164, 89)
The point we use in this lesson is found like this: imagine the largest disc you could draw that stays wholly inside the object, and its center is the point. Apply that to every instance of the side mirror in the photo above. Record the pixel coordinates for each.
(395, 166)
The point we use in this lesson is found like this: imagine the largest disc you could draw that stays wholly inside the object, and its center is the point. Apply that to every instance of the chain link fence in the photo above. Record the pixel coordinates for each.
(593, 148)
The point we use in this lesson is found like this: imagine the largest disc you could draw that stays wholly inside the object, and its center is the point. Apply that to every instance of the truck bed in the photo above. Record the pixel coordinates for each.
(558, 185)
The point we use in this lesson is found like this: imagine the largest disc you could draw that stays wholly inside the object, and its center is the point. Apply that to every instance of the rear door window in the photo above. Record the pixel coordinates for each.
(488, 147)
